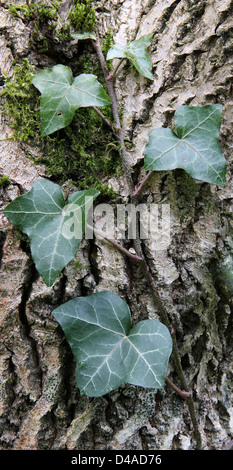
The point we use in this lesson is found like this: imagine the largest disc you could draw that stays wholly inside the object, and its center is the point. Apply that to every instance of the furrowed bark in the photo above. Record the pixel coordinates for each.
(40, 405)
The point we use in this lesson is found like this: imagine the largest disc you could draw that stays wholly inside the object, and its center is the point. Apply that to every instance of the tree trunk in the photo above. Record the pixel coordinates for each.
(40, 404)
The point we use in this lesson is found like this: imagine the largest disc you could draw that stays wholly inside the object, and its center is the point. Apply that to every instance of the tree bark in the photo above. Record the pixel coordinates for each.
(40, 404)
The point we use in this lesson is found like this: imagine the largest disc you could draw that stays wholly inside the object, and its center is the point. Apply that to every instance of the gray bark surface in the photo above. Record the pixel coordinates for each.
(40, 404)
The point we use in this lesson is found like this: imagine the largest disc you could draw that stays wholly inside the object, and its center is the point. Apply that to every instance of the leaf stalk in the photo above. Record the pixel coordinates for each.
(181, 393)
(137, 192)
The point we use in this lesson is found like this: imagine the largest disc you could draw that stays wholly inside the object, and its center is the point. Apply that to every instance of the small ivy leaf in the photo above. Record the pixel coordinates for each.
(136, 52)
(48, 221)
(62, 96)
(86, 35)
(108, 352)
(195, 147)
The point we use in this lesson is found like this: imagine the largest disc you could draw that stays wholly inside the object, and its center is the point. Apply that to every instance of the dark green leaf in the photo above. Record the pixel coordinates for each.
(108, 352)
(48, 221)
(194, 147)
(62, 96)
(136, 52)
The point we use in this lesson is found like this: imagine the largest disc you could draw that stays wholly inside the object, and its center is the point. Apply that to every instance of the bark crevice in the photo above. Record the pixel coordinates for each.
(40, 404)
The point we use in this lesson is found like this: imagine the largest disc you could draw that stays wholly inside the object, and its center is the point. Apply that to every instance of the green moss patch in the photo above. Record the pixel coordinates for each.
(21, 102)
(34, 10)
(85, 152)
(46, 19)
(82, 15)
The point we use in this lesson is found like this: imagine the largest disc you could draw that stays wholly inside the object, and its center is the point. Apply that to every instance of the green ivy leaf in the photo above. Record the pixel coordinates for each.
(108, 352)
(86, 35)
(136, 52)
(194, 147)
(48, 221)
(62, 96)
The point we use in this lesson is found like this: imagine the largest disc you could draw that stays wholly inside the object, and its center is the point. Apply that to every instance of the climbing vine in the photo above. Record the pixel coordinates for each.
(108, 350)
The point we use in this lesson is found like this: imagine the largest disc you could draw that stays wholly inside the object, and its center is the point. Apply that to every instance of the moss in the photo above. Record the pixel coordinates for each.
(21, 237)
(77, 265)
(4, 180)
(83, 152)
(82, 15)
(43, 20)
(107, 42)
(34, 10)
(63, 33)
(86, 62)
(81, 18)
(42, 46)
(21, 103)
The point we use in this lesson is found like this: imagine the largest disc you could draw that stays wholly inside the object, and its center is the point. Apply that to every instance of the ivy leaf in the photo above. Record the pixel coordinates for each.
(108, 352)
(86, 35)
(54, 228)
(62, 96)
(136, 52)
(194, 147)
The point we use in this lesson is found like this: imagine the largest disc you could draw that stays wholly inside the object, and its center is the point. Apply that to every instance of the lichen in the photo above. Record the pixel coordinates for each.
(51, 386)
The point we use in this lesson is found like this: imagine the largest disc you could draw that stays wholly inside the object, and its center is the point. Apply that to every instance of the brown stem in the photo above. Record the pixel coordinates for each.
(121, 248)
(175, 350)
(114, 73)
(182, 393)
(142, 184)
(112, 96)
(137, 242)
(109, 124)
(124, 250)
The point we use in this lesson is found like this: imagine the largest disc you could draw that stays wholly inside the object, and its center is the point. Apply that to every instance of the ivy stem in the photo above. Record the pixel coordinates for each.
(182, 393)
(137, 243)
(114, 73)
(142, 184)
(112, 96)
(124, 250)
(109, 124)
(121, 248)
